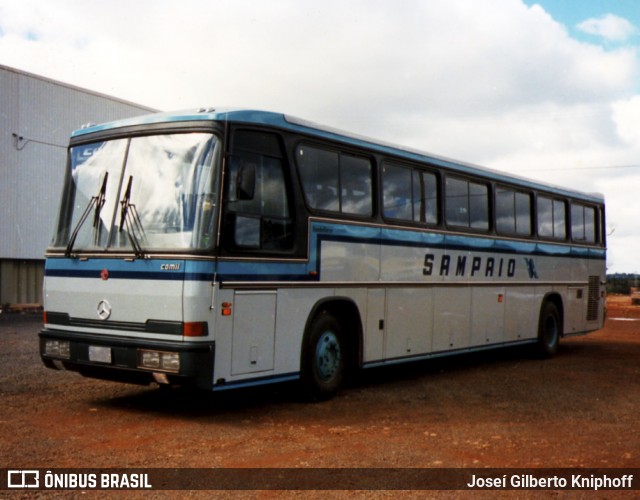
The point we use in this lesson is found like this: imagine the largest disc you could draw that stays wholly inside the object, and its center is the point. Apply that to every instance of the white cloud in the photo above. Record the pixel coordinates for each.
(627, 118)
(492, 82)
(609, 27)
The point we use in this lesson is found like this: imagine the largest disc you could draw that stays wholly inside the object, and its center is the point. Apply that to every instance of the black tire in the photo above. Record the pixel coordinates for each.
(549, 330)
(324, 358)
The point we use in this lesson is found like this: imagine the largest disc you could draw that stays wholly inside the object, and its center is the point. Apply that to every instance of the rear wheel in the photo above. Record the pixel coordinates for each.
(323, 358)
(549, 330)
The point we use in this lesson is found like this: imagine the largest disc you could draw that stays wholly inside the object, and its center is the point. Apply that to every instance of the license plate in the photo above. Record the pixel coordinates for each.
(100, 354)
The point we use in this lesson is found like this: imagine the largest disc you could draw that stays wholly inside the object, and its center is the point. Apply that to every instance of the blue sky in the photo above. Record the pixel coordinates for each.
(572, 13)
(548, 89)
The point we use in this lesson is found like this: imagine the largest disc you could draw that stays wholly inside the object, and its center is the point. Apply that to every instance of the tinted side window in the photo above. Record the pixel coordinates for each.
(583, 223)
(319, 172)
(545, 217)
(429, 196)
(479, 205)
(559, 219)
(523, 213)
(355, 185)
(513, 212)
(397, 197)
(505, 211)
(409, 194)
(551, 218)
(257, 204)
(457, 199)
(334, 181)
(467, 204)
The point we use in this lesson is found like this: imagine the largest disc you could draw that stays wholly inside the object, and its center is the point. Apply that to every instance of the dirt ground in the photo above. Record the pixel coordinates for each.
(499, 409)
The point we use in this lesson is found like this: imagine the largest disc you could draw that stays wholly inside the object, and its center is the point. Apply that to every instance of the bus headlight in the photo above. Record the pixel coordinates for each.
(57, 348)
(159, 360)
(170, 361)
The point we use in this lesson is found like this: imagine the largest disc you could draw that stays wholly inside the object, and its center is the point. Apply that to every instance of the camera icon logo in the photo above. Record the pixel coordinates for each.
(23, 479)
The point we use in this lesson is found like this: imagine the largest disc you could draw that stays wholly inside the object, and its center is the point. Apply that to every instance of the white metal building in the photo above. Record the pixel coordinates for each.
(37, 116)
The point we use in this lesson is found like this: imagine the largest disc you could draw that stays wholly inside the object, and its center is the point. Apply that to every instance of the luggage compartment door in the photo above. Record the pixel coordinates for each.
(254, 320)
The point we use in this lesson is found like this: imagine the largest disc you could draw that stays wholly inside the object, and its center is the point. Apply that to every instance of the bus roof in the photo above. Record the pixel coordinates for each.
(291, 123)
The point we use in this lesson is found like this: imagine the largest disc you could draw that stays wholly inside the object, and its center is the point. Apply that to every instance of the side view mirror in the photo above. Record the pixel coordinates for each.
(246, 183)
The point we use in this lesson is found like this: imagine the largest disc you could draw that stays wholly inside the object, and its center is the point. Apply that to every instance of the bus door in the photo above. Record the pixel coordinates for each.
(257, 237)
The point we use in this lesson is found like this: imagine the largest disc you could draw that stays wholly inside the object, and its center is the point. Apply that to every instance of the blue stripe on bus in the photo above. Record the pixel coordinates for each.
(139, 275)
(115, 264)
(419, 239)
(147, 269)
(266, 271)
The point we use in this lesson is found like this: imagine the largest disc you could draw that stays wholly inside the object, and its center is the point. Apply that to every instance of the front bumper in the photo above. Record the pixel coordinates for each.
(123, 365)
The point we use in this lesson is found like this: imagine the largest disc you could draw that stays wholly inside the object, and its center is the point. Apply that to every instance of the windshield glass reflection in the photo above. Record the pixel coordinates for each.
(160, 194)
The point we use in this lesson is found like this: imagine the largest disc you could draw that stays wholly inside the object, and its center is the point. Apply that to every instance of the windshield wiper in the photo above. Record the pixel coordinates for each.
(130, 220)
(97, 202)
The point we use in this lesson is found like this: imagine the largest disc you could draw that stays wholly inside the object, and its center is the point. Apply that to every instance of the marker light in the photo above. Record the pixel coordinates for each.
(226, 308)
(195, 329)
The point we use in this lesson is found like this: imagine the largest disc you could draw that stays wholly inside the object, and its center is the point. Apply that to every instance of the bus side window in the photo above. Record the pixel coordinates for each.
(396, 192)
(467, 204)
(523, 213)
(257, 204)
(335, 182)
(551, 218)
(601, 234)
(590, 225)
(409, 194)
(583, 223)
(513, 212)
(429, 198)
(319, 172)
(355, 181)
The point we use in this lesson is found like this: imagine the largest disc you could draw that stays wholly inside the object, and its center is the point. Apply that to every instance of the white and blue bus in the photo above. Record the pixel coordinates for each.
(231, 248)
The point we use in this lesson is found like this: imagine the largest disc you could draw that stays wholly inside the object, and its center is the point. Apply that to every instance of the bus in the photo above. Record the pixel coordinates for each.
(226, 248)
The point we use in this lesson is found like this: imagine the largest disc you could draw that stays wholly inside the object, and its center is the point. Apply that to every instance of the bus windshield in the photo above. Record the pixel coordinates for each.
(140, 194)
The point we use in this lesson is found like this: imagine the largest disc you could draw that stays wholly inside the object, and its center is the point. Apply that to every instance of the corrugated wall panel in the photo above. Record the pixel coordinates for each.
(21, 282)
(8, 161)
(45, 121)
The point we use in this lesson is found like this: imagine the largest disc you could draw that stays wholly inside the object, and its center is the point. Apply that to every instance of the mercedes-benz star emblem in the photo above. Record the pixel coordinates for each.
(104, 310)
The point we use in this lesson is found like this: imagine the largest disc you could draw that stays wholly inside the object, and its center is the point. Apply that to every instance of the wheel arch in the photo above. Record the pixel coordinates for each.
(346, 312)
(556, 299)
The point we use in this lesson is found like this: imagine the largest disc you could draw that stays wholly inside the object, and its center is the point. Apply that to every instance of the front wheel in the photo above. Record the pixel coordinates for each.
(549, 330)
(323, 358)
